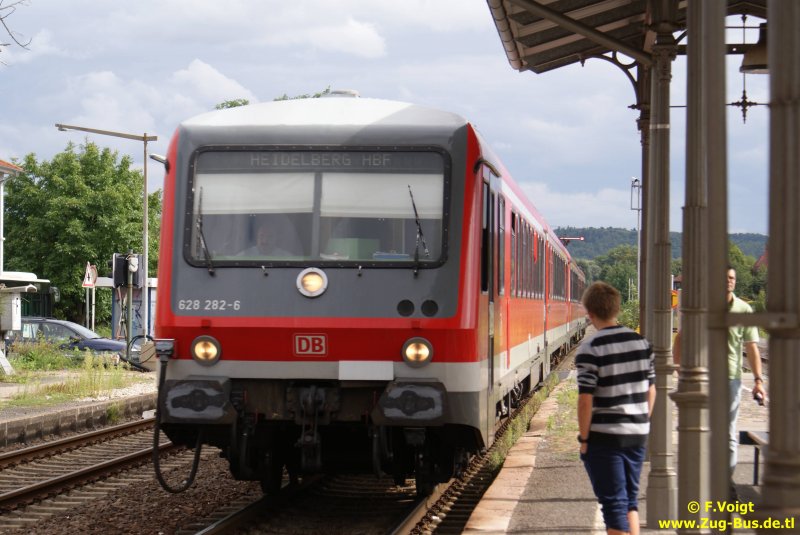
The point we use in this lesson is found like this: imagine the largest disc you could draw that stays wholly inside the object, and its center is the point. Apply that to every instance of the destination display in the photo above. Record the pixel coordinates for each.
(308, 160)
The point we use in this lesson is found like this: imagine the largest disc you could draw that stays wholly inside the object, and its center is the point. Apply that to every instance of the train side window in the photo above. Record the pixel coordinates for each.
(542, 266)
(533, 262)
(556, 274)
(552, 269)
(523, 261)
(539, 263)
(539, 272)
(528, 260)
(501, 245)
(486, 253)
(529, 265)
(513, 289)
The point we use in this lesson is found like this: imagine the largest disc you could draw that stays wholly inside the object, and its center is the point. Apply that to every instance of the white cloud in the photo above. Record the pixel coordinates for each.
(107, 101)
(604, 207)
(118, 102)
(41, 45)
(208, 85)
(350, 37)
(438, 15)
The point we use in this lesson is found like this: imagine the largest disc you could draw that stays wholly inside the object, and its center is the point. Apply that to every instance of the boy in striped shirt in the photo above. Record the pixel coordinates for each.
(616, 392)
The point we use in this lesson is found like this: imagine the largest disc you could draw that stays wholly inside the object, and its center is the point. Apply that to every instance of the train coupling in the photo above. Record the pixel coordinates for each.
(203, 400)
(312, 406)
(411, 403)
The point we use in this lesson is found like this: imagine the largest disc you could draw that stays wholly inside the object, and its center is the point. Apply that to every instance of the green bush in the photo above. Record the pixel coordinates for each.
(103, 330)
(41, 356)
(629, 315)
(81, 374)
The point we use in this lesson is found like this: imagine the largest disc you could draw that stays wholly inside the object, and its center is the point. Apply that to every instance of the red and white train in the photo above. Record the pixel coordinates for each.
(350, 282)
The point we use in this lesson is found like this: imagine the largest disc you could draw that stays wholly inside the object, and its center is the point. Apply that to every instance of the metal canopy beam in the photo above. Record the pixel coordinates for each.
(586, 31)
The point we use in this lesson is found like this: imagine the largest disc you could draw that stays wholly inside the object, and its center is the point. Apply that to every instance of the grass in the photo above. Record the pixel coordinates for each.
(114, 413)
(50, 375)
(563, 425)
(520, 425)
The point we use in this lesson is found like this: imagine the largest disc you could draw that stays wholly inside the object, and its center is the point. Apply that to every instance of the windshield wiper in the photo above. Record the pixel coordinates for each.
(420, 235)
(201, 239)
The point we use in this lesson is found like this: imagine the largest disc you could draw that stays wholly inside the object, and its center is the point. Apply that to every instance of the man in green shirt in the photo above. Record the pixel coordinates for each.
(740, 340)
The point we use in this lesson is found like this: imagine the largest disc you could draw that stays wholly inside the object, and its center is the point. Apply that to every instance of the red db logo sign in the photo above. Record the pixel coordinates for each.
(310, 345)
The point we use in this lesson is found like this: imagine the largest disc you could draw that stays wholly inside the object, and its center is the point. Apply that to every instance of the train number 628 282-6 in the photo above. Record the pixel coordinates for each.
(208, 304)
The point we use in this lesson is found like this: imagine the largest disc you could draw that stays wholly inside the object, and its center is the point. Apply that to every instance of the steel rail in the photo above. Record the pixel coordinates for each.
(29, 493)
(22, 455)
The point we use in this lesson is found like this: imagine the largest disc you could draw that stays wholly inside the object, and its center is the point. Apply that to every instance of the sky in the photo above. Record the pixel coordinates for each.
(568, 137)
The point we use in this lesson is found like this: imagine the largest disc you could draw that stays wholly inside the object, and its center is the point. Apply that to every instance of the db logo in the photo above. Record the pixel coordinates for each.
(310, 344)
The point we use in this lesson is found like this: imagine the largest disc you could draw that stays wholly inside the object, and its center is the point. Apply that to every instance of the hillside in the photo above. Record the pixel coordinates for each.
(598, 241)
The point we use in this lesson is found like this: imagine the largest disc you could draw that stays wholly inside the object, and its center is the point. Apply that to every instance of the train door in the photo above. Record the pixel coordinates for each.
(503, 317)
(487, 272)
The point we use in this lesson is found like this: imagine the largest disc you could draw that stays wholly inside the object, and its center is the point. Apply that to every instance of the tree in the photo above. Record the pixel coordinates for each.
(590, 269)
(746, 284)
(82, 206)
(235, 103)
(5, 12)
(305, 95)
(677, 266)
(618, 268)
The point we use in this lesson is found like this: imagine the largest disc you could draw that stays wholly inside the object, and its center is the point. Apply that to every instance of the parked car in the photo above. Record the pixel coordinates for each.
(66, 334)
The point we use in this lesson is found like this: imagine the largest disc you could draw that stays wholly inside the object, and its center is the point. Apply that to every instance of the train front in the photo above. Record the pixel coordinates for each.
(309, 283)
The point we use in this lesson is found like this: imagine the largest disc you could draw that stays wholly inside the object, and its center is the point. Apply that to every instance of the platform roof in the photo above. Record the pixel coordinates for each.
(542, 35)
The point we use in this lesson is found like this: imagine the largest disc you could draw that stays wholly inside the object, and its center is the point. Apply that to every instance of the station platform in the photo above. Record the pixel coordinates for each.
(543, 487)
(21, 424)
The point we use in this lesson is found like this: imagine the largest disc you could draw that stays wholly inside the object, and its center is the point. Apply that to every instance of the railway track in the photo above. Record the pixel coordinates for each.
(57, 477)
(31, 476)
(17, 456)
(354, 503)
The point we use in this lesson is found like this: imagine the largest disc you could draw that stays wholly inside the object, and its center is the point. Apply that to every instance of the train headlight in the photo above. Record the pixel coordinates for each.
(417, 352)
(206, 350)
(312, 282)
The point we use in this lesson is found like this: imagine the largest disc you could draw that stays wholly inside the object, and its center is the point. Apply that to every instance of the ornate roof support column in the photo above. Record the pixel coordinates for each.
(692, 394)
(662, 483)
(781, 494)
(713, 146)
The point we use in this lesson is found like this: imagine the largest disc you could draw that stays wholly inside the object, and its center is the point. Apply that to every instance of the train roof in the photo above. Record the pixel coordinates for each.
(354, 114)
(329, 112)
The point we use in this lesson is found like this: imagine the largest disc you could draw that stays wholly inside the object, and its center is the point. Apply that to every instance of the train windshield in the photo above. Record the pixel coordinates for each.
(369, 208)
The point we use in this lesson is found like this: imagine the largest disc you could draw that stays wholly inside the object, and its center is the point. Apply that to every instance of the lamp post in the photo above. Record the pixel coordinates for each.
(144, 138)
(636, 204)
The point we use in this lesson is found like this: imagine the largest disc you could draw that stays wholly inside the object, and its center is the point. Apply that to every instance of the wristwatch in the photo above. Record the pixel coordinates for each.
(582, 440)
(758, 379)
